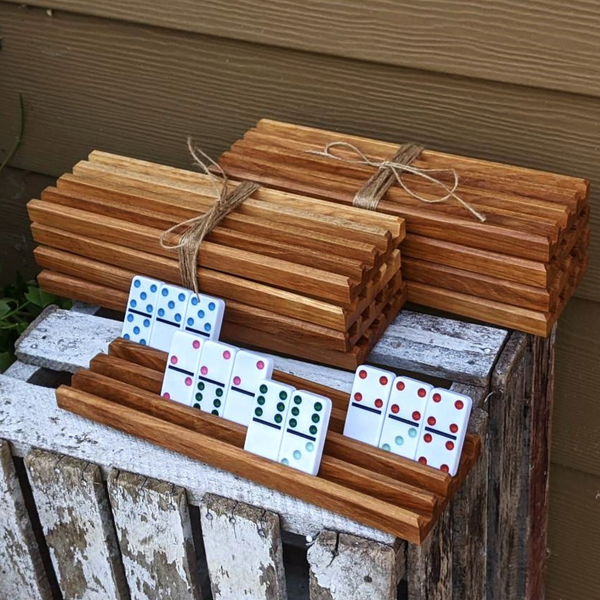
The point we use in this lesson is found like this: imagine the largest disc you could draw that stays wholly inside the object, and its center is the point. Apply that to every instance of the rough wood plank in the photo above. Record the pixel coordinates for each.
(29, 417)
(155, 536)
(509, 472)
(444, 348)
(429, 566)
(540, 421)
(22, 575)
(469, 512)
(243, 550)
(75, 515)
(513, 124)
(414, 342)
(346, 567)
(548, 45)
(63, 340)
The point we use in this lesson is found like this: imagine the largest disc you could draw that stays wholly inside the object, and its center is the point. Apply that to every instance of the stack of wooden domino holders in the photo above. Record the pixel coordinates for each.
(517, 270)
(300, 276)
(400, 496)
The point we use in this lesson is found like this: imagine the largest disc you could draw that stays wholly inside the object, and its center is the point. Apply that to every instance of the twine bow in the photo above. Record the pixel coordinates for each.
(391, 170)
(197, 228)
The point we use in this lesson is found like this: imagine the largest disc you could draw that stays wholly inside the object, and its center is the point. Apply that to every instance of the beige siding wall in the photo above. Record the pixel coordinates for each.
(510, 81)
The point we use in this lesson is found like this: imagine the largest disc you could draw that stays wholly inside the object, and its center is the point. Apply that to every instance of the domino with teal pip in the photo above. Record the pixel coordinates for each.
(248, 369)
(182, 366)
(269, 415)
(214, 375)
(141, 310)
(204, 316)
(170, 311)
(305, 432)
(405, 416)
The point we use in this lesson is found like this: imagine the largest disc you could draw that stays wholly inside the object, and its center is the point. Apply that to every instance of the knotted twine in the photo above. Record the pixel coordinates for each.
(388, 171)
(197, 228)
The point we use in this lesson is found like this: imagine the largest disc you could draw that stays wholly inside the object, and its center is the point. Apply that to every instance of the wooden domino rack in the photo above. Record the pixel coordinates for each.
(361, 482)
(300, 276)
(518, 269)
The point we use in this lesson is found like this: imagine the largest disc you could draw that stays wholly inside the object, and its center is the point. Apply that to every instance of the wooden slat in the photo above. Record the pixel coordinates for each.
(237, 262)
(244, 551)
(225, 456)
(74, 511)
(544, 46)
(514, 124)
(155, 536)
(23, 575)
(334, 469)
(344, 567)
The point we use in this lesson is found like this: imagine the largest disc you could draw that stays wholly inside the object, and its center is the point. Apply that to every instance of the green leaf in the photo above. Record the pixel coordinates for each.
(39, 298)
(4, 307)
(22, 326)
(6, 359)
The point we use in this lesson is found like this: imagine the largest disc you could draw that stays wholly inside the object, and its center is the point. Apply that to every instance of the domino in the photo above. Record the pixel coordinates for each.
(404, 417)
(141, 308)
(214, 375)
(305, 432)
(170, 309)
(368, 403)
(444, 429)
(269, 414)
(182, 365)
(248, 369)
(204, 316)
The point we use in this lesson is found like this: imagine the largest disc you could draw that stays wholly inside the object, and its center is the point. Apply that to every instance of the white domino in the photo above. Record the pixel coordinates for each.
(171, 308)
(204, 316)
(141, 309)
(269, 415)
(213, 376)
(305, 432)
(405, 416)
(182, 365)
(368, 403)
(444, 429)
(248, 369)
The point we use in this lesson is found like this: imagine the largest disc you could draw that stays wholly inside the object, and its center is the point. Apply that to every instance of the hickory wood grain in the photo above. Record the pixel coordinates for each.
(222, 455)
(333, 467)
(546, 45)
(518, 133)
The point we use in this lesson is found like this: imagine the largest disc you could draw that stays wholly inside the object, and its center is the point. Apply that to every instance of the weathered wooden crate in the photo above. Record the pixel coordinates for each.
(94, 513)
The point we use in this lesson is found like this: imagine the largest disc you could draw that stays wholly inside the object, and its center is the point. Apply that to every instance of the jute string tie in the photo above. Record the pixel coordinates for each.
(194, 230)
(390, 171)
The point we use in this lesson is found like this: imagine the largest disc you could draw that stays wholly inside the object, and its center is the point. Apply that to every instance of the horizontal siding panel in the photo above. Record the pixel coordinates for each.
(93, 83)
(574, 540)
(576, 419)
(543, 43)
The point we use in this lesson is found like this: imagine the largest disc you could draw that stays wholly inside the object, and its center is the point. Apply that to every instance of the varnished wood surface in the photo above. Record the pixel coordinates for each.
(463, 116)
(546, 44)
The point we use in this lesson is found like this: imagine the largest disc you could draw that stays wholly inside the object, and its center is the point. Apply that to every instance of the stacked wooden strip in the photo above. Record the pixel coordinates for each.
(371, 486)
(517, 270)
(300, 276)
